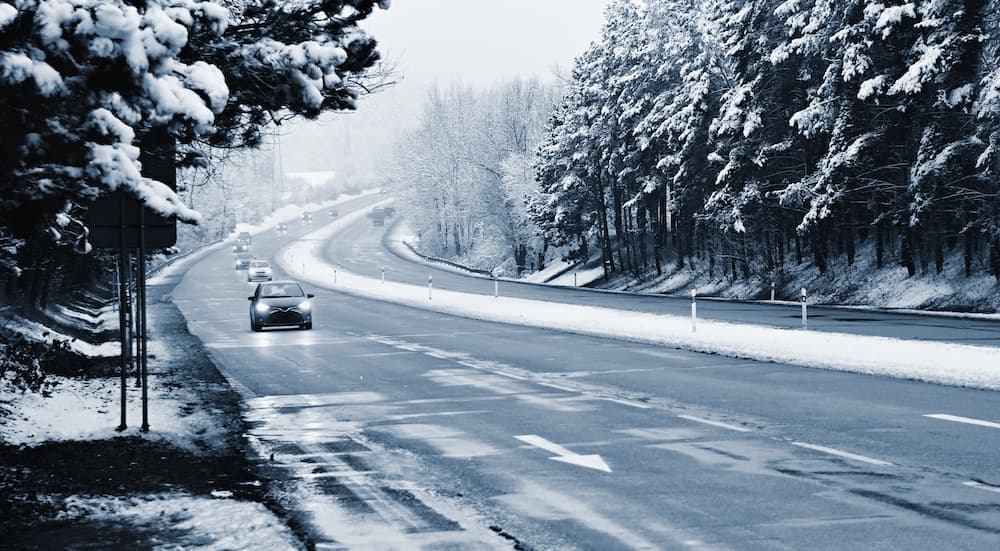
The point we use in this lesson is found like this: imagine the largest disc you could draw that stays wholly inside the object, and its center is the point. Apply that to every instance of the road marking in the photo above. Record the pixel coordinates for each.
(981, 486)
(966, 420)
(719, 424)
(591, 461)
(559, 387)
(375, 354)
(845, 455)
(628, 403)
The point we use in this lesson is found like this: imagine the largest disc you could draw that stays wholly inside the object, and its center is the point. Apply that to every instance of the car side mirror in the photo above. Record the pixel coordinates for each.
(310, 295)
(250, 298)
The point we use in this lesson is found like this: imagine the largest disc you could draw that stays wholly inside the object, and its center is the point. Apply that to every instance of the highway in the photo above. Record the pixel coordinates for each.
(400, 428)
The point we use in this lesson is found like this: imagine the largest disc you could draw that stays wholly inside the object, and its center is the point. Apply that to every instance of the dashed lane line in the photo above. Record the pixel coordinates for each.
(966, 420)
(719, 424)
(841, 453)
(981, 486)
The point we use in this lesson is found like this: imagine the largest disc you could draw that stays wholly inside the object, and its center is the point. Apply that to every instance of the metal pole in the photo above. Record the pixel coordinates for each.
(430, 287)
(772, 291)
(334, 276)
(805, 315)
(496, 287)
(135, 352)
(574, 279)
(122, 321)
(383, 275)
(694, 311)
(143, 331)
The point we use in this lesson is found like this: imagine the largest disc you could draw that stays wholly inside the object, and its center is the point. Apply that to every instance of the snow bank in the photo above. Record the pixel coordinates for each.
(38, 332)
(206, 523)
(88, 409)
(943, 363)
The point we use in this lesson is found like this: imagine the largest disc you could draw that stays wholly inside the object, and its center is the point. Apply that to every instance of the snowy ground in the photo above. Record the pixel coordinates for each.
(861, 285)
(943, 363)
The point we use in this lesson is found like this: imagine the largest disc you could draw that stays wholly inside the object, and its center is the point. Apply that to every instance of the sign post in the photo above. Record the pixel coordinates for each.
(805, 314)
(694, 311)
(121, 221)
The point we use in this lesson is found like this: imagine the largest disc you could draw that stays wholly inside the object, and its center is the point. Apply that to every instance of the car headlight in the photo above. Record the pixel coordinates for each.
(304, 305)
(261, 307)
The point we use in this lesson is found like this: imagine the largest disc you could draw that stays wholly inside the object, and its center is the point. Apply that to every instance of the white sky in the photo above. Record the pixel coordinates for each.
(483, 41)
(480, 42)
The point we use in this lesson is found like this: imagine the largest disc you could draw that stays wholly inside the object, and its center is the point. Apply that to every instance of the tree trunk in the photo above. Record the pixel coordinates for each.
(879, 245)
(906, 250)
(968, 253)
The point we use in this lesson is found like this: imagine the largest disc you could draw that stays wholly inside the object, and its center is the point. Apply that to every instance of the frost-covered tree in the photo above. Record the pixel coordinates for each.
(83, 82)
(464, 173)
(782, 130)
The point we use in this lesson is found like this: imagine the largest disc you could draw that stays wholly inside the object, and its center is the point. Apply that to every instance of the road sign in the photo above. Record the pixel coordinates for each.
(108, 214)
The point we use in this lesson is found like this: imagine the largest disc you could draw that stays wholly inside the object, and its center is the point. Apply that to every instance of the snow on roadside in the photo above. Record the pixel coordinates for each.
(207, 523)
(88, 409)
(38, 332)
(943, 363)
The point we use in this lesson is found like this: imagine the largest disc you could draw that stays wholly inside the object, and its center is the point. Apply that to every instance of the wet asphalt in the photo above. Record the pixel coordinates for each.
(414, 429)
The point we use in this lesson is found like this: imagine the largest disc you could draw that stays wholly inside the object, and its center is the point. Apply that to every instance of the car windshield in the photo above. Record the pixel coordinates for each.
(281, 290)
(259, 264)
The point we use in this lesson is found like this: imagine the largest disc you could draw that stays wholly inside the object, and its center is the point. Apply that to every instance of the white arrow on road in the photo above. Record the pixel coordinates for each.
(592, 461)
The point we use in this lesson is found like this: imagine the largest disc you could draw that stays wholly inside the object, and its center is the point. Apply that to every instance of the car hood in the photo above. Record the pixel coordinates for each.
(282, 302)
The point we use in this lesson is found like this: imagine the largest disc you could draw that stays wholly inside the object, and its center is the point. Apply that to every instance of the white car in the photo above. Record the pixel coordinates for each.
(259, 270)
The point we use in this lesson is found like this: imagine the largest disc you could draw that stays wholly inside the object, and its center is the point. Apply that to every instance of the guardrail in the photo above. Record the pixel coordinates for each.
(176, 257)
(486, 273)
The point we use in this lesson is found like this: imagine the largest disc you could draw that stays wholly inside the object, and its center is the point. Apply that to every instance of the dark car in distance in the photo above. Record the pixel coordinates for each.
(280, 304)
(307, 217)
(242, 261)
(333, 213)
(281, 228)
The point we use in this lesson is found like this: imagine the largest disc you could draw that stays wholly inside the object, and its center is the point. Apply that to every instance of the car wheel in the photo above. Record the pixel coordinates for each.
(254, 327)
(308, 325)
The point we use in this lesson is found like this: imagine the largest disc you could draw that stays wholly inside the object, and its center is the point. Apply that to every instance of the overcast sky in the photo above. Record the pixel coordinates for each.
(480, 42)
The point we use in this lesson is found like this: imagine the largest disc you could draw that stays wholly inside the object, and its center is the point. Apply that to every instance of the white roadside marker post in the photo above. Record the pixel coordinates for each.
(383, 274)
(496, 287)
(574, 279)
(772, 291)
(694, 311)
(805, 314)
(334, 275)
(430, 287)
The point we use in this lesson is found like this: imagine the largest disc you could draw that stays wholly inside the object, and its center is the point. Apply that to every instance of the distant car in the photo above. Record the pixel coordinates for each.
(280, 304)
(259, 270)
(333, 213)
(377, 215)
(239, 247)
(282, 227)
(390, 212)
(242, 261)
(243, 237)
(307, 217)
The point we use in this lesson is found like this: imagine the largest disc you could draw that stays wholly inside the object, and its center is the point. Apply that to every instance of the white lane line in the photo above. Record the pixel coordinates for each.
(845, 455)
(629, 403)
(375, 354)
(719, 424)
(966, 420)
(981, 486)
(559, 387)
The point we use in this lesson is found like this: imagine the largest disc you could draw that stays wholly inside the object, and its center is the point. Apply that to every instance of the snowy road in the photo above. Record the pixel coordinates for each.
(406, 428)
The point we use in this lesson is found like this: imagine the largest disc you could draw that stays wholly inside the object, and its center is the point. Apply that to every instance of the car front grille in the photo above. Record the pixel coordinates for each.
(284, 316)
